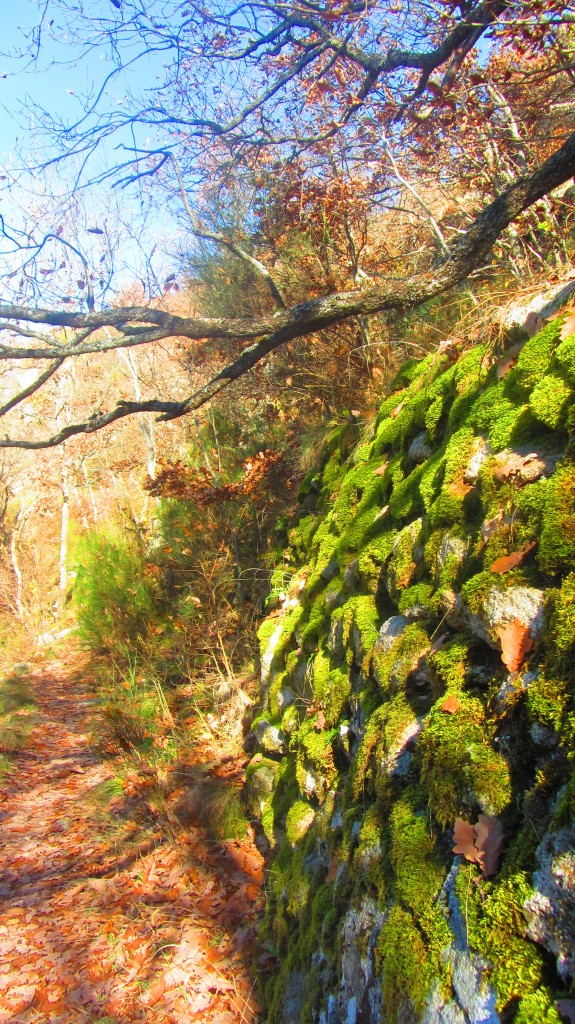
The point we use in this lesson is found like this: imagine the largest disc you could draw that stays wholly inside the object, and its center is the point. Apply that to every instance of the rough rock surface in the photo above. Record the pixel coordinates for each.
(551, 910)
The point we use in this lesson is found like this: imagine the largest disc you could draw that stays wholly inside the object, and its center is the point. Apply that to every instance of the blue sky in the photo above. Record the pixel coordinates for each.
(49, 82)
(57, 86)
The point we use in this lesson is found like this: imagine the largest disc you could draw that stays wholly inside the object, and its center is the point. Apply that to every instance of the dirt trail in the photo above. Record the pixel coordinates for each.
(160, 933)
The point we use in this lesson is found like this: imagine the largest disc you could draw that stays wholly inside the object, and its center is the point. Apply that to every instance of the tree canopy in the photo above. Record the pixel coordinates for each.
(398, 141)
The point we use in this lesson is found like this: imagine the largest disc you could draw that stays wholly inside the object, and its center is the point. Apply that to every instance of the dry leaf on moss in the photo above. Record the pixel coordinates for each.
(480, 843)
(507, 562)
(450, 705)
(464, 840)
(488, 842)
(515, 644)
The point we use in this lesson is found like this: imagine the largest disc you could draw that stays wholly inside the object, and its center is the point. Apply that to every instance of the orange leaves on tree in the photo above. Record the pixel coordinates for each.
(507, 562)
(480, 843)
(516, 642)
(187, 483)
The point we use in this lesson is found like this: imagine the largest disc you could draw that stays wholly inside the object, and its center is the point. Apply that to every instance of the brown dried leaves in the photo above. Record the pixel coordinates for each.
(480, 843)
(516, 642)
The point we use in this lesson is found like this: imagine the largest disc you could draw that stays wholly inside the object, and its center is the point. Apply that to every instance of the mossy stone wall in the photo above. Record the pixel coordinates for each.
(396, 604)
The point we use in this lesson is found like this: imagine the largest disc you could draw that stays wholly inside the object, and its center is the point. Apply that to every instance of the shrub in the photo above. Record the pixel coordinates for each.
(115, 597)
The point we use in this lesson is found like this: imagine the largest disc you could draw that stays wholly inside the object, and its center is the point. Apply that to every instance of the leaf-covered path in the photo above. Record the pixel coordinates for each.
(158, 932)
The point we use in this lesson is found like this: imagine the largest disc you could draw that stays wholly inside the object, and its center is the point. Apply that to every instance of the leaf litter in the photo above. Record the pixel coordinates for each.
(161, 930)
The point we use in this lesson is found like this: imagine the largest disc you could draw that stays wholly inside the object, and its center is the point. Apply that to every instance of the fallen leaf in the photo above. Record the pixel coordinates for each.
(480, 843)
(491, 526)
(488, 842)
(464, 840)
(321, 720)
(526, 468)
(568, 327)
(380, 471)
(515, 644)
(450, 705)
(507, 562)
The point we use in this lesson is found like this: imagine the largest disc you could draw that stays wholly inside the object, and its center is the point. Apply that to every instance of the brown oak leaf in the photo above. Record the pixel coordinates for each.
(464, 840)
(515, 644)
(507, 562)
(488, 842)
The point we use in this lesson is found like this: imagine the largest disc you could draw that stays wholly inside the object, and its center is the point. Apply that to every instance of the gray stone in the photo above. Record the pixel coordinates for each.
(405, 547)
(269, 737)
(451, 547)
(389, 632)
(544, 736)
(285, 698)
(294, 996)
(351, 574)
(421, 448)
(268, 655)
(481, 452)
(333, 598)
(260, 783)
(330, 571)
(531, 316)
(398, 759)
(359, 996)
(473, 1000)
(526, 604)
(335, 641)
(550, 912)
(473, 992)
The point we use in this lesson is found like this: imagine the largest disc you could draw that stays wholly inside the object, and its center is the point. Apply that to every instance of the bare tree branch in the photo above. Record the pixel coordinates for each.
(465, 254)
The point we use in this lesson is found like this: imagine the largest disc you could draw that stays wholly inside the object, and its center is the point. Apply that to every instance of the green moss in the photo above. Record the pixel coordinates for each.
(548, 700)
(417, 596)
(402, 564)
(382, 732)
(451, 661)
(459, 767)
(535, 356)
(550, 400)
(299, 819)
(450, 506)
(418, 870)
(565, 357)
(537, 1008)
(405, 500)
(315, 758)
(561, 633)
(374, 555)
(315, 618)
(475, 590)
(406, 969)
(360, 616)
(392, 668)
(496, 925)
(557, 542)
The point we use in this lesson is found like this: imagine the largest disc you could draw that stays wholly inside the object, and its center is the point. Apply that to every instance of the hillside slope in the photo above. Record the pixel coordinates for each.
(417, 672)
